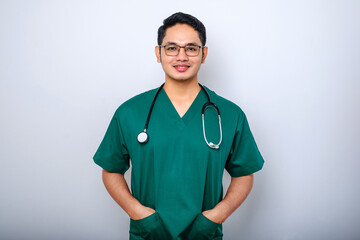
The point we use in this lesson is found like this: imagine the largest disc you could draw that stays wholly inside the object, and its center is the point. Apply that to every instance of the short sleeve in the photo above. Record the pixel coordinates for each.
(244, 157)
(112, 154)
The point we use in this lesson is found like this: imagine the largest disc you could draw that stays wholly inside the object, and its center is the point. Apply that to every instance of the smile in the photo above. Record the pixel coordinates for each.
(181, 67)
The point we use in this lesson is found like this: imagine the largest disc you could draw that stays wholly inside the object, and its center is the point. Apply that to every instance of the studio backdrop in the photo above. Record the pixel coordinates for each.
(292, 66)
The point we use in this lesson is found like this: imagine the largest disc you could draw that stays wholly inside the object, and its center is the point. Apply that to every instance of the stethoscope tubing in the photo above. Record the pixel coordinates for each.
(152, 106)
(143, 137)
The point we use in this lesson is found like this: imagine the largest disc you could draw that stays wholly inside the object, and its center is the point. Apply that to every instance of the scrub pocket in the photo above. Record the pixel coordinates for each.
(201, 228)
(149, 228)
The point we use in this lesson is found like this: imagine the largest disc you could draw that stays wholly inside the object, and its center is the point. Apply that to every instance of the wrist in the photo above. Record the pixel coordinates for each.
(140, 211)
(135, 209)
(214, 215)
(221, 211)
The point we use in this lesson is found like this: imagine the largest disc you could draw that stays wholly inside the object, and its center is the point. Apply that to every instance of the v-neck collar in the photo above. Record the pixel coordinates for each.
(194, 108)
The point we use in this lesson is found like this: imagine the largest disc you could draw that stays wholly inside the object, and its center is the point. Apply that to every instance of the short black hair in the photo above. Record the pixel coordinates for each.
(183, 18)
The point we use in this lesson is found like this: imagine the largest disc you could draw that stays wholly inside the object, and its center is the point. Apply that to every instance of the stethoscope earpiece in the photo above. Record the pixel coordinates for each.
(143, 137)
(214, 146)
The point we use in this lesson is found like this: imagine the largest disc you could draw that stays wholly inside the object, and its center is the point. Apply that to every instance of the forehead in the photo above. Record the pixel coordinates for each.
(181, 34)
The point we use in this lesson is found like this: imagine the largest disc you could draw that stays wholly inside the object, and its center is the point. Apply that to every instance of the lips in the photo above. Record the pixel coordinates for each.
(181, 67)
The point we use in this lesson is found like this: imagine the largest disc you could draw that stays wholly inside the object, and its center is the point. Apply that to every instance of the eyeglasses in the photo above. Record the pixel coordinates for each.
(191, 50)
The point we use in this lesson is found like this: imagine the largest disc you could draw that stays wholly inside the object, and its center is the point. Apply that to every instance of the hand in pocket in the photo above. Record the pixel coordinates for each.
(201, 228)
(150, 228)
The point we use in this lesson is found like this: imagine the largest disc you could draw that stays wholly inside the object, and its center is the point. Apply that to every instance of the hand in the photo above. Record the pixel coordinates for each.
(142, 212)
(213, 215)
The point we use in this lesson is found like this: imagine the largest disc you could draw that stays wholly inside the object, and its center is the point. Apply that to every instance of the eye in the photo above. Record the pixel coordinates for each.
(172, 48)
(191, 48)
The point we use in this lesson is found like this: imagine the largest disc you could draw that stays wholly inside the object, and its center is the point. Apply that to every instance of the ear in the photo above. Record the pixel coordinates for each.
(204, 54)
(158, 54)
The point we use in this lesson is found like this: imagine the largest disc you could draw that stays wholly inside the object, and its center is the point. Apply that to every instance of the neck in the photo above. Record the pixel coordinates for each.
(181, 89)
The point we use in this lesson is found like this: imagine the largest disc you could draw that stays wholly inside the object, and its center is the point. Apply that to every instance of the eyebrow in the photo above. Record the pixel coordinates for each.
(188, 44)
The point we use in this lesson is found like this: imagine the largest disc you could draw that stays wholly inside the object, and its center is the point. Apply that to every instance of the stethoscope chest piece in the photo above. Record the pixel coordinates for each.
(143, 137)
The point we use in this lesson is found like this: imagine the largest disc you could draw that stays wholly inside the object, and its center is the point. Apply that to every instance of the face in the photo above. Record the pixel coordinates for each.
(181, 67)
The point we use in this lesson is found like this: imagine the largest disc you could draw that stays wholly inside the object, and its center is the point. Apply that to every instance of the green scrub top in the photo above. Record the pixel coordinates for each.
(176, 172)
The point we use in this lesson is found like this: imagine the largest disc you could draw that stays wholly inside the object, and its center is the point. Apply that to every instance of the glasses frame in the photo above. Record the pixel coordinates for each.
(188, 45)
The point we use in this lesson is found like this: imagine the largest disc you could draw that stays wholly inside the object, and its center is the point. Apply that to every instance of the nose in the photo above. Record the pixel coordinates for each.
(182, 55)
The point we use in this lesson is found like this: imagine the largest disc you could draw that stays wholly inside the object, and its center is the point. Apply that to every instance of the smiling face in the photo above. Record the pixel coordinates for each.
(181, 67)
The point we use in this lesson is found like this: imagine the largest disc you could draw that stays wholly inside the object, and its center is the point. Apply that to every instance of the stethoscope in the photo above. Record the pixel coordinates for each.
(143, 137)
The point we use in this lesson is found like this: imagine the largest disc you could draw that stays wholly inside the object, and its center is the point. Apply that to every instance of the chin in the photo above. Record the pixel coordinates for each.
(182, 78)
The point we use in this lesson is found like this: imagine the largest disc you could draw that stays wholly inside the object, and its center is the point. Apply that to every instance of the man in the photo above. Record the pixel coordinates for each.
(178, 161)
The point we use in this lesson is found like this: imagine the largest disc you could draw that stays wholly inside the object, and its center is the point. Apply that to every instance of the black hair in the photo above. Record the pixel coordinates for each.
(183, 18)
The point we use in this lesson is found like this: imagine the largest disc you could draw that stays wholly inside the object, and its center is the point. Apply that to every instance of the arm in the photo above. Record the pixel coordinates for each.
(117, 187)
(236, 194)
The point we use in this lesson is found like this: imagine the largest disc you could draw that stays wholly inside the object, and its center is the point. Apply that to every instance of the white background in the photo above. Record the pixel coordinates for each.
(292, 66)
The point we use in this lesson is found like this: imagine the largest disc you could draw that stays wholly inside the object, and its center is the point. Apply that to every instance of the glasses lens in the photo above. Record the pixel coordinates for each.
(171, 50)
(192, 50)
